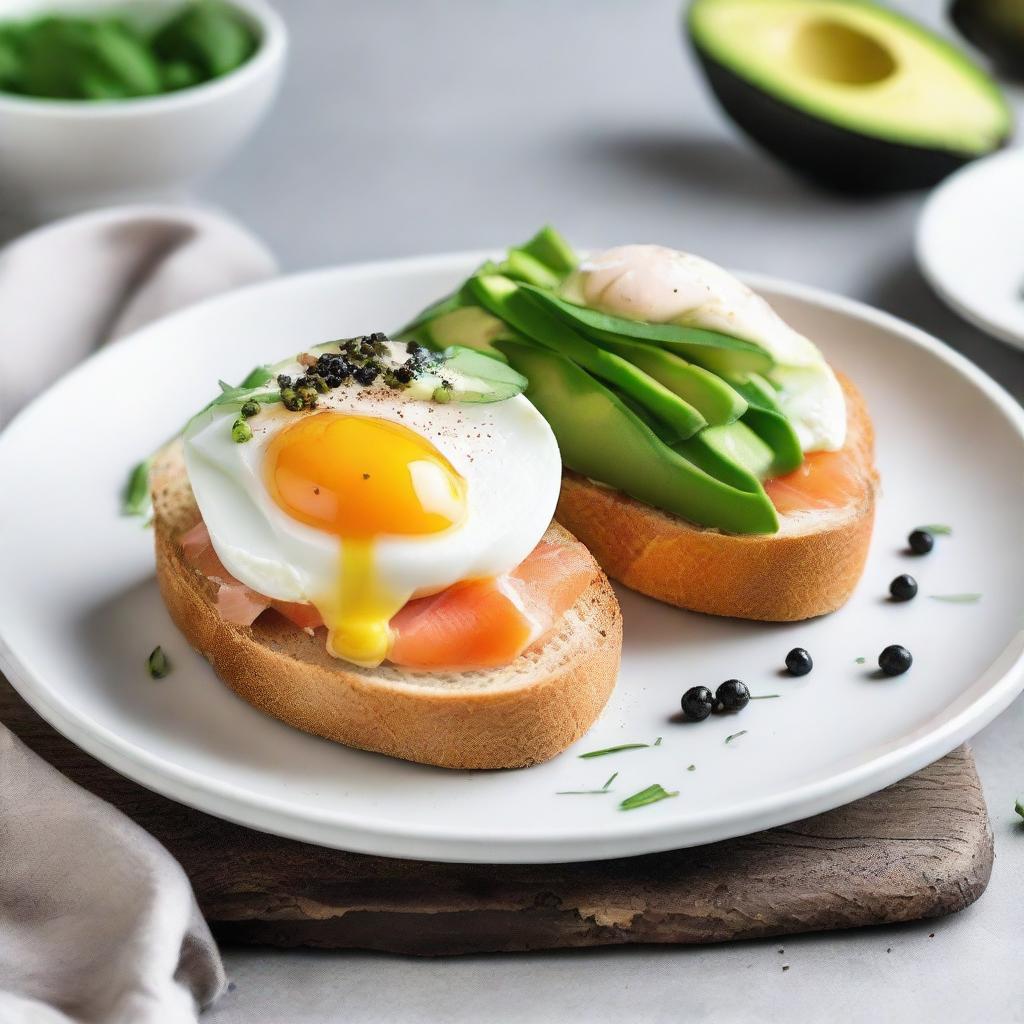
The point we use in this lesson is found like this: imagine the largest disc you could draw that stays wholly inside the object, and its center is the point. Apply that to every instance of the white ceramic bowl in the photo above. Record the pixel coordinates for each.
(59, 157)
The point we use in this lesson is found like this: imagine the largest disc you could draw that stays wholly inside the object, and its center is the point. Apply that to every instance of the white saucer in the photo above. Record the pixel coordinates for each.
(970, 244)
(80, 611)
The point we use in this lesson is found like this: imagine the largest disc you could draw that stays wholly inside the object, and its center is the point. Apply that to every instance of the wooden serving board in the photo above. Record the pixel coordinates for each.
(921, 848)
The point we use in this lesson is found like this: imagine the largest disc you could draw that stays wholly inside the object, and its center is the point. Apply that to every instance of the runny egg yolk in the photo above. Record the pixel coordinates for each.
(359, 478)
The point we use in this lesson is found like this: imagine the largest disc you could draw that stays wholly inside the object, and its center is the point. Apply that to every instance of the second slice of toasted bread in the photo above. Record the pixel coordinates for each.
(511, 717)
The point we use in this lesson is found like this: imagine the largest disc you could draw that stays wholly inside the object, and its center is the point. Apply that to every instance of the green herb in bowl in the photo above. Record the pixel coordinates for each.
(115, 57)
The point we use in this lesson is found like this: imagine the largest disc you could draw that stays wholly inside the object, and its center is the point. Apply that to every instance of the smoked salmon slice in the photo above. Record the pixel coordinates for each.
(488, 623)
(825, 480)
(476, 624)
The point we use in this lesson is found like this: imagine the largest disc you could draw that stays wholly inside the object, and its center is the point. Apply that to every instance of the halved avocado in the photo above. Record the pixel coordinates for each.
(996, 27)
(847, 92)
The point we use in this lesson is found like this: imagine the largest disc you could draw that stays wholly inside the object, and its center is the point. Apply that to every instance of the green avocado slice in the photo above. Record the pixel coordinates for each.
(717, 352)
(507, 300)
(630, 456)
(552, 250)
(766, 418)
(717, 401)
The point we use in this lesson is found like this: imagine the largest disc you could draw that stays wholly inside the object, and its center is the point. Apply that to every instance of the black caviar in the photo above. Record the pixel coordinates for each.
(903, 588)
(895, 660)
(698, 702)
(798, 662)
(921, 542)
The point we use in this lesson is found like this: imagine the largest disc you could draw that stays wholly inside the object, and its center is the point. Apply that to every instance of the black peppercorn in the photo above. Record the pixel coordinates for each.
(698, 702)
(903, 588)
(921, 542)
(798, 662)
(733, 695)
(895, 660)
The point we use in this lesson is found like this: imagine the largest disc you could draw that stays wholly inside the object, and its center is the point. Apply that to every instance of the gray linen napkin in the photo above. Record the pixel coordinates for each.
(98, 924)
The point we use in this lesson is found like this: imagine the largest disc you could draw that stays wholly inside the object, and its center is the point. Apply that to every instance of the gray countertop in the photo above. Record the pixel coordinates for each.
(431, 125)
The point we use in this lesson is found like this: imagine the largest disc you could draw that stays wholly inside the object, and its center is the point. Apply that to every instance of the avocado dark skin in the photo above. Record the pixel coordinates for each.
(996, 27)
(827, 154)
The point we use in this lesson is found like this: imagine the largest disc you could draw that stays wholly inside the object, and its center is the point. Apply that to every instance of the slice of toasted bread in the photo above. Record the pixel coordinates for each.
(808, 568)
(506, 718)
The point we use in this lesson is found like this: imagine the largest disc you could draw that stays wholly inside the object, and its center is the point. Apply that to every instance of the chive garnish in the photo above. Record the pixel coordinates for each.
(589, 792)
(157, 663)
(650, 795)
(135, 501)
(735, 735)
(657, 742)
(861, 660)
(765, 696)
(614, 750)
(1019, 808)
(956, 598)
(938, 528)
(691, 768)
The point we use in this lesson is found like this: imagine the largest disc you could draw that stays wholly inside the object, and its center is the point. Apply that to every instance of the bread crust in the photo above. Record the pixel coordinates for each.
(808, 568)
(507, 718)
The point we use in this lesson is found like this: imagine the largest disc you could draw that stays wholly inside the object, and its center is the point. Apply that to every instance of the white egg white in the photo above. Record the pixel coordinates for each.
(505, 451)
(661, 285)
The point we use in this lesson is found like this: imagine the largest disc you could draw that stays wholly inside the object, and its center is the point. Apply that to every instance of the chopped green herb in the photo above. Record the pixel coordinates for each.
(691, 768)
(589, 792)
(135, 501)
(650, 795)
(860, 660)
(614, 750)
(765, 696)
(956, 598)
(158, 665)
(735, 735)
(657, 742)
(250, 409)
(241, 431)
(1019, 808)
(938, 528)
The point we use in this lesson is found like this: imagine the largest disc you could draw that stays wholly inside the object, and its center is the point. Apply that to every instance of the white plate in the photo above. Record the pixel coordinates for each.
(970, 244)
(79, 609)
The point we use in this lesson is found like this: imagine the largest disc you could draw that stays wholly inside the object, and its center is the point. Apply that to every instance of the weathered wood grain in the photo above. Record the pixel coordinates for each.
(921, 848)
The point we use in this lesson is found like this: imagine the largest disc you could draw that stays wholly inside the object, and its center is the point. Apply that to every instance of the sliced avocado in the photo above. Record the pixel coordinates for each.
(996, 27)
(468, 326)
(521, 266)
(846, 91)
(507, 300)
(728, 354)
(766, 418)
(601, 438)
(552, 250)
(711, 396)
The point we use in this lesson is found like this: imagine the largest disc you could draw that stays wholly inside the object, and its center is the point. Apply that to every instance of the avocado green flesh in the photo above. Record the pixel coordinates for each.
(856, 66)
(552, 250)
(711, 396)
(765, 417)
(506, 300)
(628, 455)
(709, 348)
